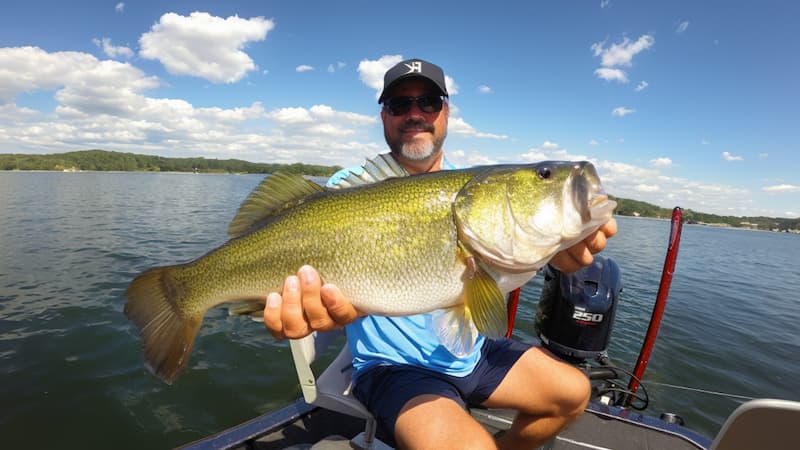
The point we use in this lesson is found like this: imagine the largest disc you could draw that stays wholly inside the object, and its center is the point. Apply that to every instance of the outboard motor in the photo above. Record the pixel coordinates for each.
(576, 311)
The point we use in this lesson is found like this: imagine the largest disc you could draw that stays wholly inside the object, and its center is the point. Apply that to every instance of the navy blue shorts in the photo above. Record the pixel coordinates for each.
(385, 389)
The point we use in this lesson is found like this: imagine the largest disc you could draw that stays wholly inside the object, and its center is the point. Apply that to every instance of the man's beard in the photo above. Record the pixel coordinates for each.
(419, 148)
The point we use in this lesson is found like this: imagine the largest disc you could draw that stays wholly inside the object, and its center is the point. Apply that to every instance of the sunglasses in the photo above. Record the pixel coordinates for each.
(398, 106)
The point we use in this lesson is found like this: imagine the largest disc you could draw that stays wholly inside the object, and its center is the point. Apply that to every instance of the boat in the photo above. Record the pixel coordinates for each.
(328, 417)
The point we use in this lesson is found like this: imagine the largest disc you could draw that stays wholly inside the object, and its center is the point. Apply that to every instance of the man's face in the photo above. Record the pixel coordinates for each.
(416, 135)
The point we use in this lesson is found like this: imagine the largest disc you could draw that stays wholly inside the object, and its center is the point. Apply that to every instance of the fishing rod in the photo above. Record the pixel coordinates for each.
(660, 304)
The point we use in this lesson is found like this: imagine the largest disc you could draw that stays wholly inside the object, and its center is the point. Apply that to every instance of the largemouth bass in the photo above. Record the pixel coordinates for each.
(458, 239)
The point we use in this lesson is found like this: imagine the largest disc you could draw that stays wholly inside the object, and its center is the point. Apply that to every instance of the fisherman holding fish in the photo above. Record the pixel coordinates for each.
(414, 385)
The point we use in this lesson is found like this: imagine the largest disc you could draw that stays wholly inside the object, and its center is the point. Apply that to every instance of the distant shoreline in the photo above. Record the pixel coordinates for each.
(631, 216)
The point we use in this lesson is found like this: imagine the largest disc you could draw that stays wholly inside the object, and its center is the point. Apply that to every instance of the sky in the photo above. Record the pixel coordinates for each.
(677, 103)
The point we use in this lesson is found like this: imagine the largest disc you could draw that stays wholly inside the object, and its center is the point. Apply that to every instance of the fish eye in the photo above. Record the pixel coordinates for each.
(544, 173)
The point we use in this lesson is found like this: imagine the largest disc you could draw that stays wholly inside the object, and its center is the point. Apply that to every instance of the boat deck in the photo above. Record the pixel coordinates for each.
(301, 426)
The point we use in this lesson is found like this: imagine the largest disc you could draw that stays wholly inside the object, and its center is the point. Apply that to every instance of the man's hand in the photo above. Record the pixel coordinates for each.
(580, 254)
(306, 305)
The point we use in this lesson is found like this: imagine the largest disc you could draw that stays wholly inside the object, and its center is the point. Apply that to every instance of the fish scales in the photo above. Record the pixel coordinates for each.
(391, 231)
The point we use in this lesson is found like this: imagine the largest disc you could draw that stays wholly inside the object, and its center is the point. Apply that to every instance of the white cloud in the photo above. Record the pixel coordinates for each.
(682, 27)
(611, 74)
(649, 188)
(79, 79)
(103, 104)
(371, 72)
(462, 158)
(334, 67)
(594, 142)
(604, 3)
(641, 86)
(304, 68)
(661, 162)
(205, 46)
(763, 155)
(113, 51)
(484, 89)
(781, 188)
(619, 55)
(458, 125)
(551, 151)
(727, 156)
(622, 54)
(120, 7)
(622, 111)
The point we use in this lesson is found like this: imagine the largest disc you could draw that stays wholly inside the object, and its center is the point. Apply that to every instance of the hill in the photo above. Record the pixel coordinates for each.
(101, 160)
(627, 207)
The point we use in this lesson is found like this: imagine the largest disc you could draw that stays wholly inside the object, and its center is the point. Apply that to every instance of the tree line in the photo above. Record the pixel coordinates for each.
(627, 207)
(102, 160)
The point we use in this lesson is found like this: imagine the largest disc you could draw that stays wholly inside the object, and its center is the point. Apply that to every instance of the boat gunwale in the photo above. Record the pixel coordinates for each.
(252, 429)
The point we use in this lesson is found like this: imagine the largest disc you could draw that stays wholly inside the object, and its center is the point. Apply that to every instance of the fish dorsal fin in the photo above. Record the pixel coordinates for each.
(380, 168)
(276, 192)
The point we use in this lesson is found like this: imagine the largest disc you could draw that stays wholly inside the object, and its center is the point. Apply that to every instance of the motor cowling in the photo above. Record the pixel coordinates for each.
(576, 311)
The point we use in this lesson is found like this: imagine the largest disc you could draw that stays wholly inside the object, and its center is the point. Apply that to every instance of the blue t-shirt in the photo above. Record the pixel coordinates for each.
(375, 340)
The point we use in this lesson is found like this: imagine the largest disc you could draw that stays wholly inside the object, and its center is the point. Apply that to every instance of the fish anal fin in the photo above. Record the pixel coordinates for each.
(455, 330)
(247, 308)
(276, 192)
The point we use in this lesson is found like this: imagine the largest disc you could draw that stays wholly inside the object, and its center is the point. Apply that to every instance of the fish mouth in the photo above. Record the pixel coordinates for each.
(588, 195)
(600, 206)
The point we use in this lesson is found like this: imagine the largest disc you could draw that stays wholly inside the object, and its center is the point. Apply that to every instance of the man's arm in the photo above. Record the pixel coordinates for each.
(306, 304)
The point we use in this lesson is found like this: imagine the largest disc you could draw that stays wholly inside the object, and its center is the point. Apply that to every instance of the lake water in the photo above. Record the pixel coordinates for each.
(71, 370)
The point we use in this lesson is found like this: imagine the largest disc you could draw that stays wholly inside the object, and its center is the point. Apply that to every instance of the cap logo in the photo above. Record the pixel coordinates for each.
(414, 67)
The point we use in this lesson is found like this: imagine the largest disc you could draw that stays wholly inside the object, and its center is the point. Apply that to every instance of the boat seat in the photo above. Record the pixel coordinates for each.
(332, 389)
(762, 423)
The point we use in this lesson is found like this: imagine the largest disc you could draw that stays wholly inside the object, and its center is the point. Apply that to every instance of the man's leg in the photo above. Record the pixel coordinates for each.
(548, 393)
(434, 422)
(420, 409)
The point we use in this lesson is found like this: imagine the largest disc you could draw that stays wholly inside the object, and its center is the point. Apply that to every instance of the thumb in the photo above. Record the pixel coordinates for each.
(339, 307)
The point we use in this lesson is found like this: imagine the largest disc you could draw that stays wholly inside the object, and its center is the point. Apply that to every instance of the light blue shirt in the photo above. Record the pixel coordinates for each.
(376, 340)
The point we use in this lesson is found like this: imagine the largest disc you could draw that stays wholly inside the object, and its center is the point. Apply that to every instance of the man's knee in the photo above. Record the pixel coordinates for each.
(431, 421)
(576, 395)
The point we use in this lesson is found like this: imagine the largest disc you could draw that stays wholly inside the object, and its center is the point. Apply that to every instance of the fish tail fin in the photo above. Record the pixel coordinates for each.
(167, 332)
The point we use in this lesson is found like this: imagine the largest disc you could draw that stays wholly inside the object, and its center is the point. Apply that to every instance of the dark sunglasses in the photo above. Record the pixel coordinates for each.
(397, 106)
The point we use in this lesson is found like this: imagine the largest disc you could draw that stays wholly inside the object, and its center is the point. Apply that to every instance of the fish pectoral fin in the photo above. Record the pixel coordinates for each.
(484, 303)
(455, 330)
(483, 310)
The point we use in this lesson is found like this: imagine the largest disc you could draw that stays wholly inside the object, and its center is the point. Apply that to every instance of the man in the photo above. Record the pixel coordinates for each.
(415, 388)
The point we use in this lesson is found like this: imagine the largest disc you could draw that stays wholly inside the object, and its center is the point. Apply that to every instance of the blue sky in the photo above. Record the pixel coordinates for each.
(677, 103)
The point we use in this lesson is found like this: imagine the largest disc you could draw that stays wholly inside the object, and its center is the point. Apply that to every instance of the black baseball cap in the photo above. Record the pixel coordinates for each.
(413, 68)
